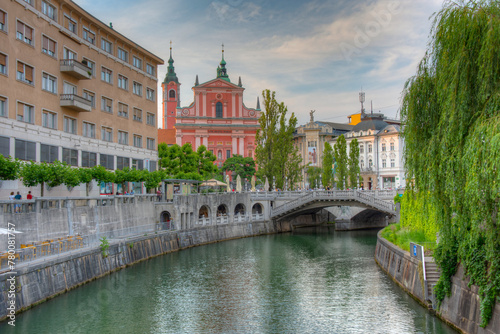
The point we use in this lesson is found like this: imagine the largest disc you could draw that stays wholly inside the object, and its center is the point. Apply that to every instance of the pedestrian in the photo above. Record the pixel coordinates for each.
(29, 196)
(158, 195)
(11, 197)
(18, 197)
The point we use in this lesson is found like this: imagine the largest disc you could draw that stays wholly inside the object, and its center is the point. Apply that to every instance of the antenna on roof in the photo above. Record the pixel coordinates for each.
(362, 100)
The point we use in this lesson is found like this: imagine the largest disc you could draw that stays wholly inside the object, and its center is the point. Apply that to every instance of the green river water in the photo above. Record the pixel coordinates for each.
(311, 281)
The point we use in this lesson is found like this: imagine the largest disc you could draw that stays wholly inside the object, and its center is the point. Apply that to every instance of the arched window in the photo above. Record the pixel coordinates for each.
(218, 110)
(171, 94)
(219, 155)
(370, 163)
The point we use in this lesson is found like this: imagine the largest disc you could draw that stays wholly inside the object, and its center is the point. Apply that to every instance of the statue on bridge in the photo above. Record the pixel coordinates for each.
(253, 183)
(238, 184)
(228, 189)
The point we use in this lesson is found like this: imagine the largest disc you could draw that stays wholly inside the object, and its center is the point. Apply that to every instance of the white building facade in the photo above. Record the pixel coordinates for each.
(380, 152)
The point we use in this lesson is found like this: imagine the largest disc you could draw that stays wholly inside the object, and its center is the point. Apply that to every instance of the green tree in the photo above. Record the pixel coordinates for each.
(238, 165)
(340, 154)
(102, 175)
(450, 113)
(34, 174)
(275, 154)
(9, 169)
(327, 163)
(353, 163)
(153, 179)
(313, 176)
(86, 176)
(178, 161)
(205, 163)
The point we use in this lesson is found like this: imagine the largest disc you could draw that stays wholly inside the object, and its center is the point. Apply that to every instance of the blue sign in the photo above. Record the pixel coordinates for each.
(414, 250)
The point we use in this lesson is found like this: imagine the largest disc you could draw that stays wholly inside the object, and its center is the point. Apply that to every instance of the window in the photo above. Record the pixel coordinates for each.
(137, 141)
(384, 163)
(88, 35)
(171, 94)
(137, 164)
(219, 155)
(106, 75)
(25, 150)
(29, 2)
(49, 119)
(106, 46)
(123, 110)
(5, 146)
(89, 96)
(151, 144)
(228, 154)
(137, 62)
(383, 147)
(392, 146)
(123, 137)
(361, 148)
(89, 64)
(123, 55)
(150, 119)
(49, 153)
(150, 69)
(24, 73)
(70, 24)
(370, 163)
(218, 110)
(24, 33)
(137, 115)
(250, 154)
(70, 156)
(89, 159)
(122, 82)
(106, 104)
(137, 88)
(122, 162)
(88, 130)
(3, 107)
(3, 64)
(150, 94)
(393, 163)
(362, 163)
(49, 10)
(107, 161)
(70, 125)
(3, 20)
(69, 88)
(48, 46)
(107, 134)
(68, 54)
(369, 148)
(25, 113)
(152, 166)
(49, 83)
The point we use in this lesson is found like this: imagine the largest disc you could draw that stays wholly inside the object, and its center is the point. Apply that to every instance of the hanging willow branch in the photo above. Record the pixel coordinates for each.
(451, 118)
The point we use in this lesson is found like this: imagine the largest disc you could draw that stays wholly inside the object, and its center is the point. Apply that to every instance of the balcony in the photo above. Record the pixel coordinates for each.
(75, 102)
(76, 69)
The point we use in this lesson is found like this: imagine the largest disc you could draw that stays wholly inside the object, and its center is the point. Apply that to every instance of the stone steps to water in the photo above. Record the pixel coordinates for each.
(432, 274)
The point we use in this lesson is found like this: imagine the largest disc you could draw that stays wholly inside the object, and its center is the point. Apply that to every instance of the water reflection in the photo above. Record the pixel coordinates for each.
(311, 281)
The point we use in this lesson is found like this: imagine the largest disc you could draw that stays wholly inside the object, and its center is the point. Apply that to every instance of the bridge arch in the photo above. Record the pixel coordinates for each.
(166, 220)
(222, 210)
(257, 208)
(240, 209)
(204, 215)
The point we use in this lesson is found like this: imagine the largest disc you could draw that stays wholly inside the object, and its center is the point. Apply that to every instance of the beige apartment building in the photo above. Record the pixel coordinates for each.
(73, 89)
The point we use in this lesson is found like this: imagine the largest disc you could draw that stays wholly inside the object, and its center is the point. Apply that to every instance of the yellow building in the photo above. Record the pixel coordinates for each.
(74, 89)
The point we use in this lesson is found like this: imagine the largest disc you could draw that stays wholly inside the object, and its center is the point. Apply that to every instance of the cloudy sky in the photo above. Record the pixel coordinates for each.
(316, 55)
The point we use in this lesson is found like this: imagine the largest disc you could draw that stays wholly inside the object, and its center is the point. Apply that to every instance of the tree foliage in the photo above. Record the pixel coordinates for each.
(184, 163)
(275, 154)
(327, 163)
(313, 176)
(341, 161)
(9, 169)
(353, 163)
(238, 165)
(451, 117)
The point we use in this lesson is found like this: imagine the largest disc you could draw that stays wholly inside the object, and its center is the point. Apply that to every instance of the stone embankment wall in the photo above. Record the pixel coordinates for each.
(460, 310)
(46, 278)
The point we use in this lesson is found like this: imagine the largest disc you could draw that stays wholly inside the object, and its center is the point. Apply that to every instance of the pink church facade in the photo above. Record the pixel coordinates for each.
(217, 118)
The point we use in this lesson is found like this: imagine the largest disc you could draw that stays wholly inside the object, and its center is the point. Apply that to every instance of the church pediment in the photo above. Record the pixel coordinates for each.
(218, 83)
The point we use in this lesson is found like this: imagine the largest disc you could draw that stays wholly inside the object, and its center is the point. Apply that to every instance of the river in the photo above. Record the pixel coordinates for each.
(311, 281)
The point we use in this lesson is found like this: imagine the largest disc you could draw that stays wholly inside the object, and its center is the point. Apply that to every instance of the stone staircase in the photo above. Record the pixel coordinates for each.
(432, 274)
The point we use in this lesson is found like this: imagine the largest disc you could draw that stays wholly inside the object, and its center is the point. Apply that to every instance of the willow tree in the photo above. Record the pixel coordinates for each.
(275, 154)
(451, 117)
